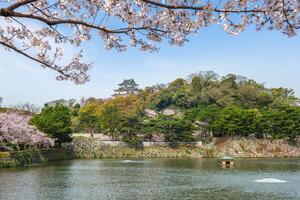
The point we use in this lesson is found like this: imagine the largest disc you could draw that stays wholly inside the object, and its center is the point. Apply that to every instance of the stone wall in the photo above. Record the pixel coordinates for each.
(252, 147)
(91, 148)
(146, 144)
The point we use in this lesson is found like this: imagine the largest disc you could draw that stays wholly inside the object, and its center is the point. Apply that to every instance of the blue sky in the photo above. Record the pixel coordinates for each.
(268, 57)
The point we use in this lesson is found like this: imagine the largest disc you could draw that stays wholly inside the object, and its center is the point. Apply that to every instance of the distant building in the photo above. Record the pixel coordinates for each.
(128, 86)
(295, 103)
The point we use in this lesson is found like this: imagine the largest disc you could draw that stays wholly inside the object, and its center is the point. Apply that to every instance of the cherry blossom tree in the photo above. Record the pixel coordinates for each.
(14, 129)
(119, 23)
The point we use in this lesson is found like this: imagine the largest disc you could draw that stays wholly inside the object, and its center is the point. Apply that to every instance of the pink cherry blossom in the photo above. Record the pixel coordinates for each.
(14, 128)
(119, 23)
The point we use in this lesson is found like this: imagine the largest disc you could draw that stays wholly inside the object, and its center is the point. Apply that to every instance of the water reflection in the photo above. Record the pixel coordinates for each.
(153, 179)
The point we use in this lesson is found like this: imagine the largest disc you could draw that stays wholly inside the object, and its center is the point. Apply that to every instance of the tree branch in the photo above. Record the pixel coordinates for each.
(32, 58)
(200, 8)
(8, 13)
(19, 4)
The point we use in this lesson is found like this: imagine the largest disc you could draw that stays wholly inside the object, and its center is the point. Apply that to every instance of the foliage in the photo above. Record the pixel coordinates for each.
(184, 99)
(75, 109)
(281, 122)
(202, 80)
(177, 84)
(55, 121)
(234, 121)
(132, 130)
(175, 129)
(111, 120)
(202, 113)
(88, 121)
(230, 105)
(164, 100)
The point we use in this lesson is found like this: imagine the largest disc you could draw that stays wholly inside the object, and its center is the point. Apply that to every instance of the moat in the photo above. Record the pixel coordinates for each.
(154, 179)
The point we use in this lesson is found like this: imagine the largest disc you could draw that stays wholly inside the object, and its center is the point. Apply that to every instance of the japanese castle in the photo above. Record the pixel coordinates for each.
(128, 86)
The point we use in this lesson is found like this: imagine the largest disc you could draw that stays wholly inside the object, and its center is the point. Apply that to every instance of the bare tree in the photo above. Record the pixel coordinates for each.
(27, 107)
(141, 23)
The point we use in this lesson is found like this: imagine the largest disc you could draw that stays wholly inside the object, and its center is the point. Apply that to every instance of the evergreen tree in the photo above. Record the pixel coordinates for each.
(55, 121)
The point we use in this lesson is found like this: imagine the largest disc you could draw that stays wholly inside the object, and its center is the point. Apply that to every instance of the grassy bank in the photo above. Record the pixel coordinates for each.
(27, 157)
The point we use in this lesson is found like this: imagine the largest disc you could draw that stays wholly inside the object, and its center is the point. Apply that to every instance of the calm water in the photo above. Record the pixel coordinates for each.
(154, 179)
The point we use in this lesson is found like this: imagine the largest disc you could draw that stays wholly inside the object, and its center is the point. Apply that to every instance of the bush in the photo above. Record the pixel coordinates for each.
(133, 141)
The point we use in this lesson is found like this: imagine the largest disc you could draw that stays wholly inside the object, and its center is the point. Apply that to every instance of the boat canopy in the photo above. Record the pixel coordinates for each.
(227, 158)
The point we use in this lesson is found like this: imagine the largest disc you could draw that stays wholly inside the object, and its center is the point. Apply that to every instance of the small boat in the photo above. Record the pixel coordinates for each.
(226, 161)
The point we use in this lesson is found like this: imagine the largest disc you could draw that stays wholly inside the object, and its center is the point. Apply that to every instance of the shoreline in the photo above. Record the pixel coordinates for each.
(83, 148)
(13, 163)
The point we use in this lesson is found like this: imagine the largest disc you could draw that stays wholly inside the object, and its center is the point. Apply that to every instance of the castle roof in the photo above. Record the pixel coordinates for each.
(127, 82)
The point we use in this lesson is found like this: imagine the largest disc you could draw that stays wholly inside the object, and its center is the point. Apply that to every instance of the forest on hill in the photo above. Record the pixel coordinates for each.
(214, 105)
(230, 105)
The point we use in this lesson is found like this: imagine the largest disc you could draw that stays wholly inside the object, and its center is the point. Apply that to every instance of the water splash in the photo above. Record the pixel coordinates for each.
(270, 180)
(133, 161)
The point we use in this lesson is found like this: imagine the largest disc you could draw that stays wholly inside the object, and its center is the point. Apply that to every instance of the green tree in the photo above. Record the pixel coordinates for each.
(234, 121)
(75, 109)
(88, 121)
(282, 93)
(177, 84)
(111, 120)
(131, 130)
(164, 100)
(55, 121)
(202, 80)
(281, 122)
(196, 84)
(184, 99)
(208, 113)
(175, 129)
(250, 94)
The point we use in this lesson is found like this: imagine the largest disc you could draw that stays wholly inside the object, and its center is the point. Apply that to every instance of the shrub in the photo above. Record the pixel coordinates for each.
(132, 140)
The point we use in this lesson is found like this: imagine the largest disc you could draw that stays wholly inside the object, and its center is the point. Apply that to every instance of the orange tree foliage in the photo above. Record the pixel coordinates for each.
(126, 104)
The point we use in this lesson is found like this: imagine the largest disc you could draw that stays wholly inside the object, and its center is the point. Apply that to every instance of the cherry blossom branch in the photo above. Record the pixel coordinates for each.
(19, 4)
(74, 22)
(32, 58)
(200, 8)
(145, 24)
